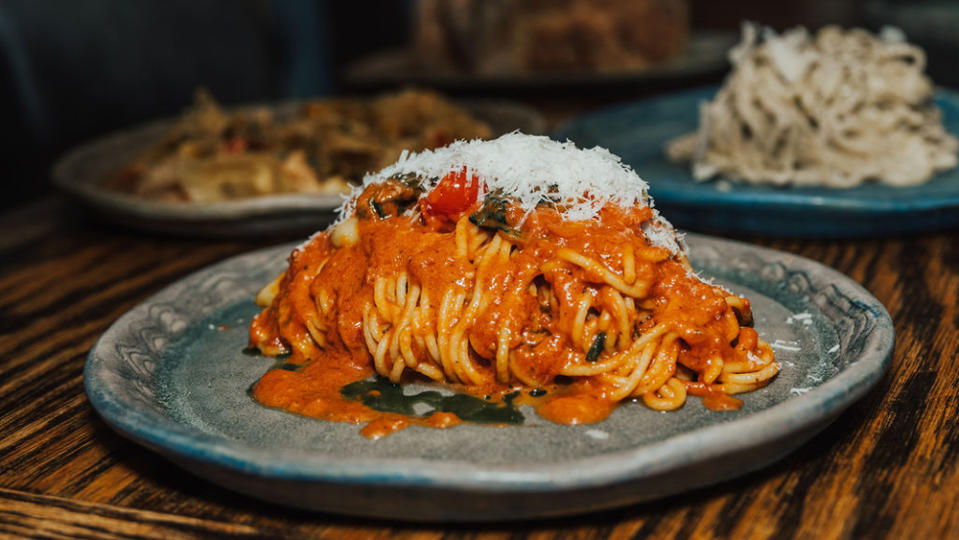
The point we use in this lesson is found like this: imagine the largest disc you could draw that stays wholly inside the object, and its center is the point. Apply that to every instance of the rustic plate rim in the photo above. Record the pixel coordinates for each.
(790, 416)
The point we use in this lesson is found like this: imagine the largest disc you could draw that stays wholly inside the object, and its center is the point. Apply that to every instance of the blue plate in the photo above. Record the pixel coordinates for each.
(171, 376)
(639, 131)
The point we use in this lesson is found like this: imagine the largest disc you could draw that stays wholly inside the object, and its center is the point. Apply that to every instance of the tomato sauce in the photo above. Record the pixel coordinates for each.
(397, 231)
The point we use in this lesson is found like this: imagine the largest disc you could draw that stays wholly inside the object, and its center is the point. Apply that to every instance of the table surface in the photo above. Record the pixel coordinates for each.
(886, 467)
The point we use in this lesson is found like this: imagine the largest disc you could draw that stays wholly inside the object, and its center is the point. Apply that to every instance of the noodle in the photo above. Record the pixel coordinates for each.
(588, 312)
(834, 109)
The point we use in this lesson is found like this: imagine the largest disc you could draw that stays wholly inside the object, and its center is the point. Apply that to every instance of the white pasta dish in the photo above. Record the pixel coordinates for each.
(835, 108)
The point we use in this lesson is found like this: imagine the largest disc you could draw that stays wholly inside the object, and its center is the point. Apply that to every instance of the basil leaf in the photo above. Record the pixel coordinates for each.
(596, 348)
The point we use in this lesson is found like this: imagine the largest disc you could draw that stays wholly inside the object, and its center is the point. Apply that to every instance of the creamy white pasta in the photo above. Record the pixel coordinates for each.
(834, 109)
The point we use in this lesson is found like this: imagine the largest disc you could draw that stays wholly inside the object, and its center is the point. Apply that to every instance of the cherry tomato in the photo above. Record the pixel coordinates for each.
(454, 194)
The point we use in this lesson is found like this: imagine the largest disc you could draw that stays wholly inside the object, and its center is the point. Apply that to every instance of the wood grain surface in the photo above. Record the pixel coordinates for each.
(886, 468)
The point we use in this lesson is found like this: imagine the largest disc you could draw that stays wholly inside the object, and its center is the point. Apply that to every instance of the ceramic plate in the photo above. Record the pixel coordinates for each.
(638, 132)
(171, 375)
(705, 56)
(80, 173)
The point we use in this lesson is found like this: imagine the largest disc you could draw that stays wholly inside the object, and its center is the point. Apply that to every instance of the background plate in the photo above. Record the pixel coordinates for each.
(703, 57)
(170, 375)
(638, 132)
(80, 172)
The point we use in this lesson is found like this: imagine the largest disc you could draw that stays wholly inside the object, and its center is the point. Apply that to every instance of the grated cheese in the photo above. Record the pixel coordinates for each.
(534, 169)
(786, 345)
(597, 434)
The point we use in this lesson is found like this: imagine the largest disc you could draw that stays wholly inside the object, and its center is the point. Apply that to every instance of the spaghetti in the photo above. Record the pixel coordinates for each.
(450, 278)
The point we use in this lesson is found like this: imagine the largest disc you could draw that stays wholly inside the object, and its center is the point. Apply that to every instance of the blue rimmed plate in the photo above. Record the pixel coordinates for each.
(638, 132)
(170, 375)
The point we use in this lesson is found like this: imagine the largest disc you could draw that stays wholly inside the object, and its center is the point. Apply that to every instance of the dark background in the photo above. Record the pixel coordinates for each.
(70, 70)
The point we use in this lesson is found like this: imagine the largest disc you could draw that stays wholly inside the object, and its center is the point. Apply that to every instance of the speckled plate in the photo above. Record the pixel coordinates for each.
(171, 376)
(638, 132)
(80, 174)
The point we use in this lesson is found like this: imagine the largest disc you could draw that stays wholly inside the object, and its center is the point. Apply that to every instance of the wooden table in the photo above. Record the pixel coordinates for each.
(887, 467)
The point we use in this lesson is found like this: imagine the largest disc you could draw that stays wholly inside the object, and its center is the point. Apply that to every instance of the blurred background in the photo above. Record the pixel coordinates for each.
(71, 71)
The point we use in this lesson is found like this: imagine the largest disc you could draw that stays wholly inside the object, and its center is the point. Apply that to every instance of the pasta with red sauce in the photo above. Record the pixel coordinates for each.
(496, 266)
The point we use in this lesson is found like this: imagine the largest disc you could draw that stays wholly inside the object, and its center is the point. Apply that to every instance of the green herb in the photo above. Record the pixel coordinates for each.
(377, 208)
(381, 395)
(492, 215)
(410, 180)
(403, 192)
(537, 392)
(281, 363)
(596, 348)
(286, 366)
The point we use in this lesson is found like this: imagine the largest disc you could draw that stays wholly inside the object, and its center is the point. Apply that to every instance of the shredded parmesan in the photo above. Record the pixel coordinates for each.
(661, 233)
(786, 345)
(531, 169)
(804, 318)
(534, 169)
